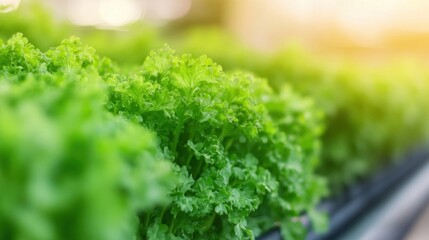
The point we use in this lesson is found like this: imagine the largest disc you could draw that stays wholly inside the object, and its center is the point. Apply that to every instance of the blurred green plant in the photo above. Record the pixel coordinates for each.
(37, 23)
(68, 168)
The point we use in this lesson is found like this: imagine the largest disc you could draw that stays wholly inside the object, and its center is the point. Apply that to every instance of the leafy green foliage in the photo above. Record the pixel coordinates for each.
(372, 113)
(236, 145)
(298, 122)
(241, 155)
(68, 168)
(238, 150)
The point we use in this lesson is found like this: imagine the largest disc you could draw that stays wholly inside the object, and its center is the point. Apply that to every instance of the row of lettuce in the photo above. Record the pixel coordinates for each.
(373, 113)
(173, 149)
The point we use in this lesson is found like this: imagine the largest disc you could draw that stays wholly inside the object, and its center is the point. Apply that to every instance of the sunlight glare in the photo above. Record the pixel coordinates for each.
(119, 12)
(81, 12)
(9, 5)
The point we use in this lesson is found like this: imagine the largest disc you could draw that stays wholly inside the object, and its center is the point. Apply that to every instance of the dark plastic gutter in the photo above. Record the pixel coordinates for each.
(360, 199)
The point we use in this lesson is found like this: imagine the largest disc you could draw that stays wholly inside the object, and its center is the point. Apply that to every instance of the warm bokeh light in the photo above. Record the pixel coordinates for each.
(327, 24)
(116, 13)
(113, 13)
(331, 23)
(9, 5)
(81, 12)
(119, 12)
(168, 9)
